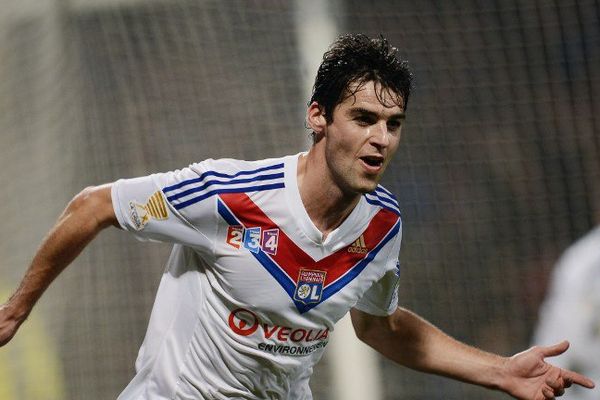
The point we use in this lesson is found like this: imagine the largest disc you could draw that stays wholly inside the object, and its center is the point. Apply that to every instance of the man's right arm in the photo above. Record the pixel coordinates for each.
(87, 214)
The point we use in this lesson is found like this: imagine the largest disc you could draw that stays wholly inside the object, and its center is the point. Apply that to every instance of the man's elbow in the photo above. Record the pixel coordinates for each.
(362, 335)
(368, 328)
(94, 205)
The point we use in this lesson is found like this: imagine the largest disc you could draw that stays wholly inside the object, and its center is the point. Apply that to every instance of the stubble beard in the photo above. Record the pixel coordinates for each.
(352, 182)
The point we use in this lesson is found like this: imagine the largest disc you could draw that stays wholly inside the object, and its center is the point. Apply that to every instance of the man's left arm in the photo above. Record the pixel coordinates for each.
(409, 340)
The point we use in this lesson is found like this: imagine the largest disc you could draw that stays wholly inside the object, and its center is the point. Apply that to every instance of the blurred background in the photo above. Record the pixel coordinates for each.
(498, 170)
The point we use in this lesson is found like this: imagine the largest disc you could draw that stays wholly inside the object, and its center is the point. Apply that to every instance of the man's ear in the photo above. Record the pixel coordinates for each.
(315, 118)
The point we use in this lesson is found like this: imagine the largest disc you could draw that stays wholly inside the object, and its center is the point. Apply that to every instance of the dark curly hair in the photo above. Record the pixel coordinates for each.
(355, 59)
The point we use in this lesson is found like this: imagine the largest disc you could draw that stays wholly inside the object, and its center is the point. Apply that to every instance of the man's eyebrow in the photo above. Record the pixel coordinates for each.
(398, 116)
(364, 111)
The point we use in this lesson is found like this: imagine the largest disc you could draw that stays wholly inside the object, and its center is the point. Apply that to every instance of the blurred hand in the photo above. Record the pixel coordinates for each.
(530, 377)
(9, 324)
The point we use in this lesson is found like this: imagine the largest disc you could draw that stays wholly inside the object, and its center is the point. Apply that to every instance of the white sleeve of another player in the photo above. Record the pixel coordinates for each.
(560, 314)
(382, 298)
(570, 310)
(142, 208)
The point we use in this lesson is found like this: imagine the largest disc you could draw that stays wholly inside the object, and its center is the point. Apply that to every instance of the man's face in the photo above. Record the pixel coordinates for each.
(362, 138)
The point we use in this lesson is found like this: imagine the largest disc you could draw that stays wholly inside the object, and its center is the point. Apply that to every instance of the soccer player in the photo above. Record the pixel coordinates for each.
(572, 309)
(269, 254)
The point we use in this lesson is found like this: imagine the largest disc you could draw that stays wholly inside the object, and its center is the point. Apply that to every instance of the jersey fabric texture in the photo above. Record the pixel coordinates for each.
(251, 291)
(571, 311)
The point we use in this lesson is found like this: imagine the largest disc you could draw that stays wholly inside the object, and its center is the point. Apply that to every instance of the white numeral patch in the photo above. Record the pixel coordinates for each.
(254, 239)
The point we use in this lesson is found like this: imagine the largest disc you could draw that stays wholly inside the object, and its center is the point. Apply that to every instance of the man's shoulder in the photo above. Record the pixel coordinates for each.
(206, 179)
(383, 198)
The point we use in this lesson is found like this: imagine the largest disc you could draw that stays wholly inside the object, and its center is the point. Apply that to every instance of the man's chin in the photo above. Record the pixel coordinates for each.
(368, 187)
(364, 184)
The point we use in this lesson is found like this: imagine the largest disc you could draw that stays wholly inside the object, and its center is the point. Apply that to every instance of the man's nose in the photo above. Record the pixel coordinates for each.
(379, 135)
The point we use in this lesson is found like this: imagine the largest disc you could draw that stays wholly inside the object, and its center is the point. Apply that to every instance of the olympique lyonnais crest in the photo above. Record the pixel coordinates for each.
(310, 286)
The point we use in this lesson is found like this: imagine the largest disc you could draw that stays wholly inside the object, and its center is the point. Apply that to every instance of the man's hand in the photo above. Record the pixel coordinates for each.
(530, 377)
(9, 324)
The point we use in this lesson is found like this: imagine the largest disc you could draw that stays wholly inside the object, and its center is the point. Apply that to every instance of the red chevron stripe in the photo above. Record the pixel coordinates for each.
(293, 258)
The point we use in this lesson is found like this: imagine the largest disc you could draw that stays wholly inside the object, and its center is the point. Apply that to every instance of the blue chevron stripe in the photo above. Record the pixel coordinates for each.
(281, 277)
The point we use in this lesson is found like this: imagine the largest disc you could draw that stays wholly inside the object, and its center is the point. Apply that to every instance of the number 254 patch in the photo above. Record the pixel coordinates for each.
(253, 239)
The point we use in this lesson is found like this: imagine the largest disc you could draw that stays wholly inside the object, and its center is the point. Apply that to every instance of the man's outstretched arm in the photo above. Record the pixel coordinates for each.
(411, 341)
(87, 214)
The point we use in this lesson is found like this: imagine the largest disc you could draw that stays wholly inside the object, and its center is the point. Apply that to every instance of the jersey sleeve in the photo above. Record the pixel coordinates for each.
(382, 298)
(570, 310)
(150, 206)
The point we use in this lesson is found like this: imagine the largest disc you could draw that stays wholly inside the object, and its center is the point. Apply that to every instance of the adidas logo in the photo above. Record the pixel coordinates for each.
(358, 246)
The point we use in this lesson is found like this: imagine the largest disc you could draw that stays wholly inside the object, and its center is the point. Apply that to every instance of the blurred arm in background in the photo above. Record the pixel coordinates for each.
(571, 310)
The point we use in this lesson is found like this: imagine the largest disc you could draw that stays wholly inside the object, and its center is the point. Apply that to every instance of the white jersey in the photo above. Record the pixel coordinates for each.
(571, 311)
(251, 292)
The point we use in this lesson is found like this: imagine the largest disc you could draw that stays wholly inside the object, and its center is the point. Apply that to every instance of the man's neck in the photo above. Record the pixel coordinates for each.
(326, 204)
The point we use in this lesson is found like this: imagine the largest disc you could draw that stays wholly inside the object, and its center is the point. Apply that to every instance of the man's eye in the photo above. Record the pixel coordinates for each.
(394, 125)
(364, 120)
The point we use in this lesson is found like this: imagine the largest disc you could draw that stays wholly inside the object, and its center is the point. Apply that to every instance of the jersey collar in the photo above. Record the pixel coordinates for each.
(348, 230)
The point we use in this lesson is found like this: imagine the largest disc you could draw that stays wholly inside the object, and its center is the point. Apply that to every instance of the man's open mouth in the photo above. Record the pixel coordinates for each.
(373, 161)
